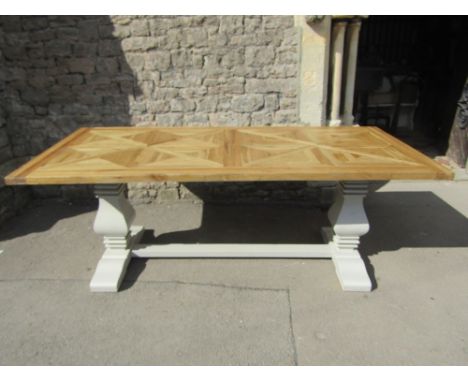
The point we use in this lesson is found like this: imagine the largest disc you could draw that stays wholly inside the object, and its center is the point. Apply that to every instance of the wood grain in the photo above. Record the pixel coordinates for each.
(133, 154)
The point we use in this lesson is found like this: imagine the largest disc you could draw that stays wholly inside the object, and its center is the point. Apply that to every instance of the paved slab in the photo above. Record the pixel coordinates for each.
(236, 311)
(60, 323)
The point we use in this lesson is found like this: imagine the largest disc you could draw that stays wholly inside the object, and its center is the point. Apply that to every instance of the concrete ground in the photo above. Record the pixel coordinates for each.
(241, 312)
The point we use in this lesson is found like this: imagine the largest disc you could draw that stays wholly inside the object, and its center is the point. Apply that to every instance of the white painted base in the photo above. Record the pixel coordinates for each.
(304, 251)
(349, 266)
(110, 270)
(115, 215)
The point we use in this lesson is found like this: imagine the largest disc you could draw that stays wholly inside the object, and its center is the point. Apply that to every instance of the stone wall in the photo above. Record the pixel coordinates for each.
(11, 199)
(63, 72)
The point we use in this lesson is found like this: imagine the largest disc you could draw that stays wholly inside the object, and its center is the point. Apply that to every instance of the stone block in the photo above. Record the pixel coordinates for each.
(81, 65)
(234, 57)
(180, 58)
(193, 77)
(68, 33)
(48, 64)
(271, 102)
(217, 39)
(193, 92)
(58, 48)
(137, 196)
(17, 52)
(150, 75)
(261, 118)
(159, 106)
(31, 23)
(224, 102)
(231, 24)
(247, 103)
(229, 119)
(41, 81)
(182, 105)
(169, 119)
(85, 49)
(285, 71)
(40, 110)
(291, 37)
(161, 24)
(120, 31)
(109, 48)
(36, 51)
(207, 104)
(146, 89)
(158, 60)
(11, 24)
(121, 20)
(252, 23)
(259, 56)
(286, 117)
(14, 74)
(284, 86)
(167, 195)
(35, 97)
(165, 93)
(260, 39)
(137, 107)
(174, 37)
(233, 85)
(20, 150)
(287, 55)
(106, 31)
(5, 154)
(187, 195)
(288, 103)
(63, 21)
(196, 119)
(89, 30)
(278, 22)
(195, 37)
(136, 61)
(42, 35)
(171, 184)
(181, 81)
(108, 65)
(140, 27)
(37, 124)
(76, 109)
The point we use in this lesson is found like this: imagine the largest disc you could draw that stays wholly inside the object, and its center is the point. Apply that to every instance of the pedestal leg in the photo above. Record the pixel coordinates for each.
(113, 221)
(349, 221)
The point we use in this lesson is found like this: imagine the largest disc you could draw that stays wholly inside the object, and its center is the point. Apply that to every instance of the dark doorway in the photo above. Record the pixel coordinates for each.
(411, 72)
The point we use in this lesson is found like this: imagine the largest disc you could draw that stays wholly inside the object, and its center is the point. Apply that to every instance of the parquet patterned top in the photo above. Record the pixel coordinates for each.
(132, 154)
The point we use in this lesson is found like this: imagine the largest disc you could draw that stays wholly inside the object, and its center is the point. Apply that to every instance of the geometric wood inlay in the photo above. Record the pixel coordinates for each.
(132, 154)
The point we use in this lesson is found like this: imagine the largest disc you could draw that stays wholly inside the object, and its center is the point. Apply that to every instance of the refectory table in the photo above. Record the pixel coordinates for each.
(112, 156)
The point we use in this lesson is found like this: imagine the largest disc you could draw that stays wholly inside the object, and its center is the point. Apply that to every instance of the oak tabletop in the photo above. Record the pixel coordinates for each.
(200, 154)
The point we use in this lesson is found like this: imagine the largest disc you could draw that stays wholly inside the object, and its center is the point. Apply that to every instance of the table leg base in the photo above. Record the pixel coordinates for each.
(111, 269)
(349, 266)
(352, 273)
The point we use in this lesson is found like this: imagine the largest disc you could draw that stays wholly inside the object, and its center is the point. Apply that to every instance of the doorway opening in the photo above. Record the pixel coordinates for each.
(410, 74)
